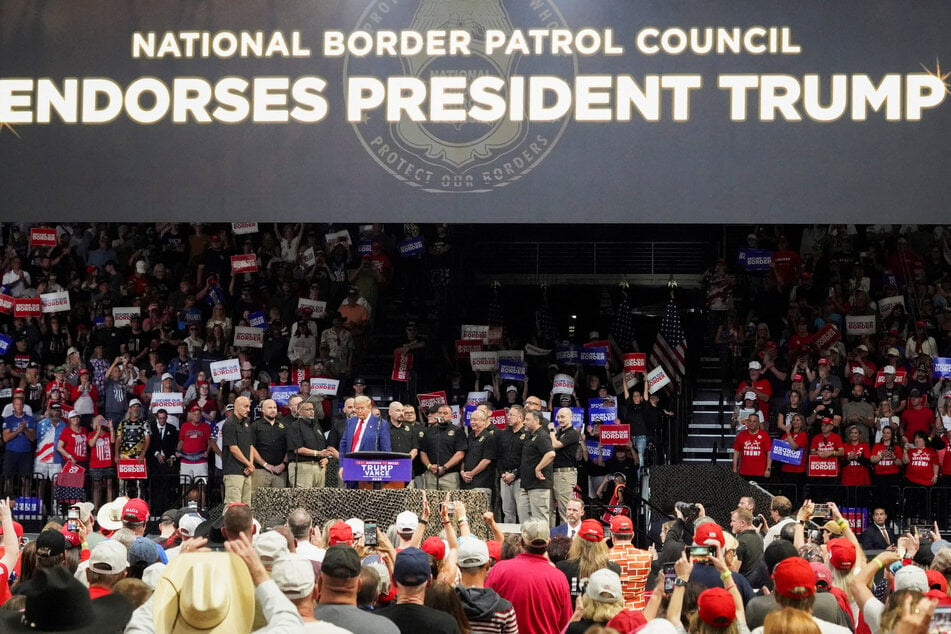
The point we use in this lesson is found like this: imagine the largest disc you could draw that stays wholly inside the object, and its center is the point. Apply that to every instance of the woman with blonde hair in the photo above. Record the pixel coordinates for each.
(588, 554)
(790, 621)
(602, 604)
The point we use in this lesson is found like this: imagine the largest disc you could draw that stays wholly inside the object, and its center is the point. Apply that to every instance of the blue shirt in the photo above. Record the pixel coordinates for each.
(20, 443)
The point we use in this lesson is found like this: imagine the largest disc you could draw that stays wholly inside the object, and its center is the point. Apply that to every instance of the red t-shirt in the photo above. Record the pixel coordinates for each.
(753, 450)
(920, 468)
(194, 438)
(832, 442)
(762, 385)
(801, 440)
(914, 420)
(100, 455)
(887, 466)
(74, 443)
(855, 473)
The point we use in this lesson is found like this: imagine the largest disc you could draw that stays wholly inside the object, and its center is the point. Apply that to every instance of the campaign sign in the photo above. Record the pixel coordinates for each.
(248, 337)
(615, 434)
(657, 379)
(563, 384)
(607, 401)
(327, 387)
(24, 506)
(227, 370)
(603, 415)
(512, 370)
(365, 247)
(6, 303)
(484, 361)
(887, 304)
(42, 237)
(244, 263)
(467, 413)
(498, 418)
(465, 346)
(26, 307)
(567, 354)
(308, 258)
(511, 355)
(54, 302)
(402, 364)
(299, 375)
(171, 402)
(431, 399)
(456, 415)
(860, 324)
(941, 368)
(494, 336)
(592, 447)
(317, 308)
(755, 259)
(412, 246)
(122, 315)
(577, 418)
(240, 228)
(471, 331)
(474, 398)
(781, 452)
(362, 470)
(823, 467)
(282, 393)
(5, 342)
(340, 236)
(901, 377)
(131, 469)
(597, 356)
(825, 337)
(635, 362)
(256, 319)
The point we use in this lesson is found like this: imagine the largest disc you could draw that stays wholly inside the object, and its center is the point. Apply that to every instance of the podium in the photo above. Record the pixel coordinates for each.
(377, 469)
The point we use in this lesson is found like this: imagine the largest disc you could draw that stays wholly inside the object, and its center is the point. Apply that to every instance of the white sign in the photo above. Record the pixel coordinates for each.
(886, 304)
(340, 236)
(319, 308)
(860, 324)
(227, 370)
(308, 258)
(512, 355)
(456, 415)
(474, 398)
(470, 332)
(563, 384)
(171, 402)
(248, 337)
(239, 228)
(656, 379)
(122, 316)
(484, 361)
(54, 302)
(327, 387)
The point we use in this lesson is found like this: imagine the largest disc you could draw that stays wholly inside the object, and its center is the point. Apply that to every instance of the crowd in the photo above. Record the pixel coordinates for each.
(836, 352)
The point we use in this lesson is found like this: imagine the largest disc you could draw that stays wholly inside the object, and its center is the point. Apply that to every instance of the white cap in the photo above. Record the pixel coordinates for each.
(858, 370)
(511, 388)
(407, 522)
(109, 558)
(473, 552)
(294, 575)
(604, 586)
(755, 365)
(189, 524)
(750, 395)
(135, 401)
(167, 376)
(356, 525)
(72, 413)
(271, 546)
(889, 369)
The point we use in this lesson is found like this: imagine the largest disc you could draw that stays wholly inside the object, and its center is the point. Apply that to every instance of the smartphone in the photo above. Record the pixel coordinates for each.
(451, 507)
(940, 620)
(669, 575)
(701, 553)
(821, 510)
(72, 519)
(369, 533)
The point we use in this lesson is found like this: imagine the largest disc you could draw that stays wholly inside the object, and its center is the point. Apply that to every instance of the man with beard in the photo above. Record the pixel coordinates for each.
(270, 445)
(536, 470)
(441, 451)
(510, 458)
(403, 435)
(565, 440)
(307, 449)
(238, 454)
(478, 468)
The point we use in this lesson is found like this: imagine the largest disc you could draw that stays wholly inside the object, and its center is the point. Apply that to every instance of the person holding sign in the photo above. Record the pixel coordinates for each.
(536, 470)
(751, 447)
(132, 439)
(632, 413)
(795, 436)
(565, 440)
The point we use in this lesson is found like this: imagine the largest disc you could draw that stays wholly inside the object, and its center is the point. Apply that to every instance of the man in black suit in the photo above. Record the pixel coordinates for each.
(160, 461)
(877, 535)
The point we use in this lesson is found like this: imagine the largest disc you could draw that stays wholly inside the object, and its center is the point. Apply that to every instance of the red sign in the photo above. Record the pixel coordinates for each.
(823, 467)
(402, 364)
(465, 346)
(826, 336)
(635, 362)
(615, 434)
(498, 418)
(132, 469)
(244, 263)
(26, 307)
(494, 338)
(299, 375)
(901, 377)
(604, 343)
(6, 304)
(42, 237)
(432, 399)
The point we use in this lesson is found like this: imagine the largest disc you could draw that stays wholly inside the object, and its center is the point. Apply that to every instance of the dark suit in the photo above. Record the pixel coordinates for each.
(163, 484)
(376, 437)
(872, 539)
(562, 530)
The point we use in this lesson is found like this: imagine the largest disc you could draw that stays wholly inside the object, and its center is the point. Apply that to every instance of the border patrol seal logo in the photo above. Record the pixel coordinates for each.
(471, 156)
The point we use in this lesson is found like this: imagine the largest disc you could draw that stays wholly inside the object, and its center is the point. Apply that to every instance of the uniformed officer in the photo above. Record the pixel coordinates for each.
(537, 475)
(270, 444)
(509, 461)
(307, 453)
(404, 437)
(441, 451)
(565, 440)
(478, 466)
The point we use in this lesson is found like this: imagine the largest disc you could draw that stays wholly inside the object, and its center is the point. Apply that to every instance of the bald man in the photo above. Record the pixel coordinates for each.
(565, 440)
(270, 445)
(238, 456)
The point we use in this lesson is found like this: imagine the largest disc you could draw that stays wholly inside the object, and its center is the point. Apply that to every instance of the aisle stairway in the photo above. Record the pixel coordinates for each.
(709, 437)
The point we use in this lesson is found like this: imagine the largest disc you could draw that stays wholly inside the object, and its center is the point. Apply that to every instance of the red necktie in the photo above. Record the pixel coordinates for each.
(355, 443)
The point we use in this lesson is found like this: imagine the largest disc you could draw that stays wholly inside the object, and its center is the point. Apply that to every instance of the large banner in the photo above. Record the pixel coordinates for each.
(475, 111)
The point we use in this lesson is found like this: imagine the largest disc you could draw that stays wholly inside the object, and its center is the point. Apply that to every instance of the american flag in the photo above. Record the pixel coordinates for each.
(670, 349)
